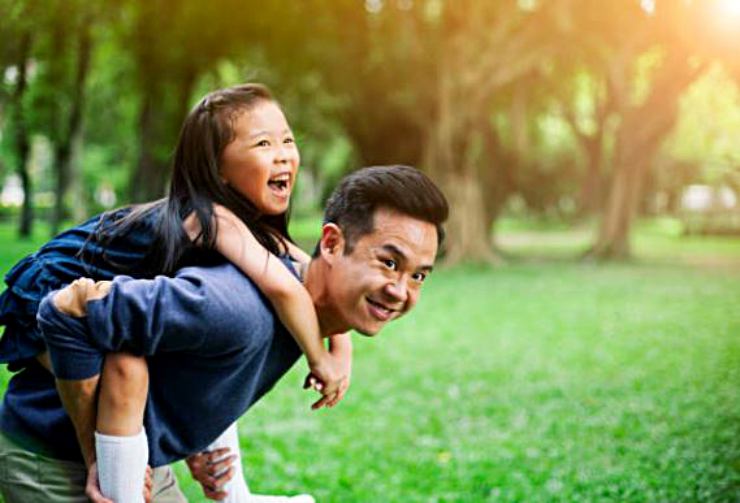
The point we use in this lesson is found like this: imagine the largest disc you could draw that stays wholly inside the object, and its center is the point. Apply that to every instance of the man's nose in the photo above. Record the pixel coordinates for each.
(398, 290)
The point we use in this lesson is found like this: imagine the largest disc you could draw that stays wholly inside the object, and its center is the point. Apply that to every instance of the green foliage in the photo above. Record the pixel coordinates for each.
(527, 98)
(706, 135)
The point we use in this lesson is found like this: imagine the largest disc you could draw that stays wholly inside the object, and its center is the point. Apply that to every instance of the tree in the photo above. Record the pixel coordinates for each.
(17, 54)
(419, 82)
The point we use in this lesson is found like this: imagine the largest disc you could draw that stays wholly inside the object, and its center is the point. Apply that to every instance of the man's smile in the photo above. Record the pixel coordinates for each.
(379, 310)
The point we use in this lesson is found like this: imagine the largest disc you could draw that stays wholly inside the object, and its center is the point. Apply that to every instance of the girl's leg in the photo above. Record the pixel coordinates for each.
(237, 489)
(120, 440)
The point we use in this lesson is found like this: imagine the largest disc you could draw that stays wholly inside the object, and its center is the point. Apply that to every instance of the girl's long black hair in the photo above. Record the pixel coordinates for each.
(196, 185)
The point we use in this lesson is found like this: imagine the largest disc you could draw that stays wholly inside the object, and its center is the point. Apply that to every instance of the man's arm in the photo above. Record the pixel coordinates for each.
(78, 399)
(86, 320)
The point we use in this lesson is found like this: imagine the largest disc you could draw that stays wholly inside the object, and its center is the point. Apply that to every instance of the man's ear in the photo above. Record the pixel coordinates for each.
(332, 242)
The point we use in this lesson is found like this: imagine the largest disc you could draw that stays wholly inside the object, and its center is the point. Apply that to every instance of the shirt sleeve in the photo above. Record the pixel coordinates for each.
(139, 316)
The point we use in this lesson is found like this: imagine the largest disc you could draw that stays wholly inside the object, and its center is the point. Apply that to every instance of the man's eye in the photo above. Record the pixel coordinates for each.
(390, 264)
(419, 276)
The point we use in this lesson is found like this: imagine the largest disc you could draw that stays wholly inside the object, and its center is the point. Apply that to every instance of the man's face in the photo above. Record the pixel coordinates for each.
(381, 279)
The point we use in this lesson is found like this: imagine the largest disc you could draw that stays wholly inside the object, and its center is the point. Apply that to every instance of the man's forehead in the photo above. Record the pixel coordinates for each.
(414, 238)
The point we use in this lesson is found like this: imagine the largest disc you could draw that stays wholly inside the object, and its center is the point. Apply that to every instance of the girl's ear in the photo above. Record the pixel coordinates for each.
(331, 243)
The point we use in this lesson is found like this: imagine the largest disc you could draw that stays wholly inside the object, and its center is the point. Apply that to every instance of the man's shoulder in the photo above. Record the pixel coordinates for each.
(225, 287)
(227, 272)
(232, 302)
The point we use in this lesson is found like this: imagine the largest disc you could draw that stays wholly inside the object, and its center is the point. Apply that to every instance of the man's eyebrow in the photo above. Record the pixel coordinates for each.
(395, 250)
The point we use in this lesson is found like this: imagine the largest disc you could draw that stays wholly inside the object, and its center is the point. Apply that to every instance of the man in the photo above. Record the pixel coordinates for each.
(213, 345)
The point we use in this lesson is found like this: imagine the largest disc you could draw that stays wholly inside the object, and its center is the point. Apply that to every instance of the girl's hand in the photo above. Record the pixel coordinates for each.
(340, 362)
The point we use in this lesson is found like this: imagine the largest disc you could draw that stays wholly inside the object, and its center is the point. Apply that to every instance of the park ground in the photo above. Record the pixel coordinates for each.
(545, 379)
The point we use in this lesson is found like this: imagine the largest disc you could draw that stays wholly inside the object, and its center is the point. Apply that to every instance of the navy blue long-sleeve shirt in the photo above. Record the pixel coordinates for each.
(31, 413)
(213, 344)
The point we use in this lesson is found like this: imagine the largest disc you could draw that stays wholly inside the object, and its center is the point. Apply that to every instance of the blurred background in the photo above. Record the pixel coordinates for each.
(570, 136)
(574, 111)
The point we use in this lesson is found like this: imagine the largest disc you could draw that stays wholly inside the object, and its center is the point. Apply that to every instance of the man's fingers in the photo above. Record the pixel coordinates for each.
(217, 454)
(214, 495)
(216, 482)
(96, 496)
(226, 476)
(148, 484)
(215, 469)
(92, 491)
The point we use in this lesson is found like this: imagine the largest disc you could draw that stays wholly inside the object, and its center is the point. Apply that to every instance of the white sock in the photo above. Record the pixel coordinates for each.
(237, 489)
(261, 498)
(122, 466)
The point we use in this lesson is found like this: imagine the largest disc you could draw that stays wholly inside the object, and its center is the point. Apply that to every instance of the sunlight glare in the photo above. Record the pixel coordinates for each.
(728, 8)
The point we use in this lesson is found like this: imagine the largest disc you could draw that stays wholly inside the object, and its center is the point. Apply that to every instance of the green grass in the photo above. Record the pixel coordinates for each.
(537, 381)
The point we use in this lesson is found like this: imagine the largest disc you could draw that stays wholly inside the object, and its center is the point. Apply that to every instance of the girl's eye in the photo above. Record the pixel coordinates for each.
(390, 264)
(263, 143)
(289, 140)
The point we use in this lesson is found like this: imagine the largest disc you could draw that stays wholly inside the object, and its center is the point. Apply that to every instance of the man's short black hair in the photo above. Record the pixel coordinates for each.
(404, 189)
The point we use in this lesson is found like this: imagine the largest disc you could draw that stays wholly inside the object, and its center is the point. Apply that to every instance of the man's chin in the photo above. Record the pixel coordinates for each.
(369, 331)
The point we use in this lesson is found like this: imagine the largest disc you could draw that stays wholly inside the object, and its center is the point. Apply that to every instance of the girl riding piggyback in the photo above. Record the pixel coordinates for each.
(234, 170)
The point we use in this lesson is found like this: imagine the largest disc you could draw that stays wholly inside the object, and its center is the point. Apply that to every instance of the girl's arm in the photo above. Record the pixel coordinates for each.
(291, 300)
(340, 345)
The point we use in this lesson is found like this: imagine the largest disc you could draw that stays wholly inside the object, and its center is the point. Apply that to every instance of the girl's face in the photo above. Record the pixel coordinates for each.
(261, 162)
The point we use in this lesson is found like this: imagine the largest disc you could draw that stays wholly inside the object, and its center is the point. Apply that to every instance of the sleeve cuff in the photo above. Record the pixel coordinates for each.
(72, 356)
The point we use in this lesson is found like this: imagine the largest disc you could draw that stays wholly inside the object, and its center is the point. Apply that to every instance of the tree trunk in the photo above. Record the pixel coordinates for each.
(22, 142)
(468, 230)
(64, 150)
(613, 241)
(145, 182)
(591, 194)
(639, 137)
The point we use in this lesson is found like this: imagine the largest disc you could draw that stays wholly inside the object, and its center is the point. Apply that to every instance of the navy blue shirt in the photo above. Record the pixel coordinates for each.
(212, 340)
(31, 412)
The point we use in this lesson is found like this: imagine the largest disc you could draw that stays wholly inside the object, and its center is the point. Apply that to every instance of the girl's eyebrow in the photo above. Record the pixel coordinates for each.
(264, 132)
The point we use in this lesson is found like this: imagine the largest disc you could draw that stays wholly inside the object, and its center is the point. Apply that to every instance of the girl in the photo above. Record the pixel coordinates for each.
(233, 172)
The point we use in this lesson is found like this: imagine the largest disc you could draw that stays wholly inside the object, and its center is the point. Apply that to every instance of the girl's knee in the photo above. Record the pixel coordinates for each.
(123, 389)
(124, 370)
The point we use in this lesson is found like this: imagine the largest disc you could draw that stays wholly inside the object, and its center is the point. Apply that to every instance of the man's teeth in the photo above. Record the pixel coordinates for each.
(380, 306)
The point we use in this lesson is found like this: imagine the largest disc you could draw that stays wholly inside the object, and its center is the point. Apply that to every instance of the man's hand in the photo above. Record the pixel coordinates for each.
(212, 469)
(92, 486)
(72, 299)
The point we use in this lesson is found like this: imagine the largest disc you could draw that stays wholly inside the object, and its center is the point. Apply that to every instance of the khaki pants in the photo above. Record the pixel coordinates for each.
(27, 477)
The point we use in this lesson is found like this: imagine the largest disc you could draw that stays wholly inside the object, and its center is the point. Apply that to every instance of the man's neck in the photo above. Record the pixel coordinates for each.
(315, 282)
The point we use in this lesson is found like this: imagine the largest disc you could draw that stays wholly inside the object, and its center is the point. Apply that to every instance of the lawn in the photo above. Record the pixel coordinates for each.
(543, 380)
